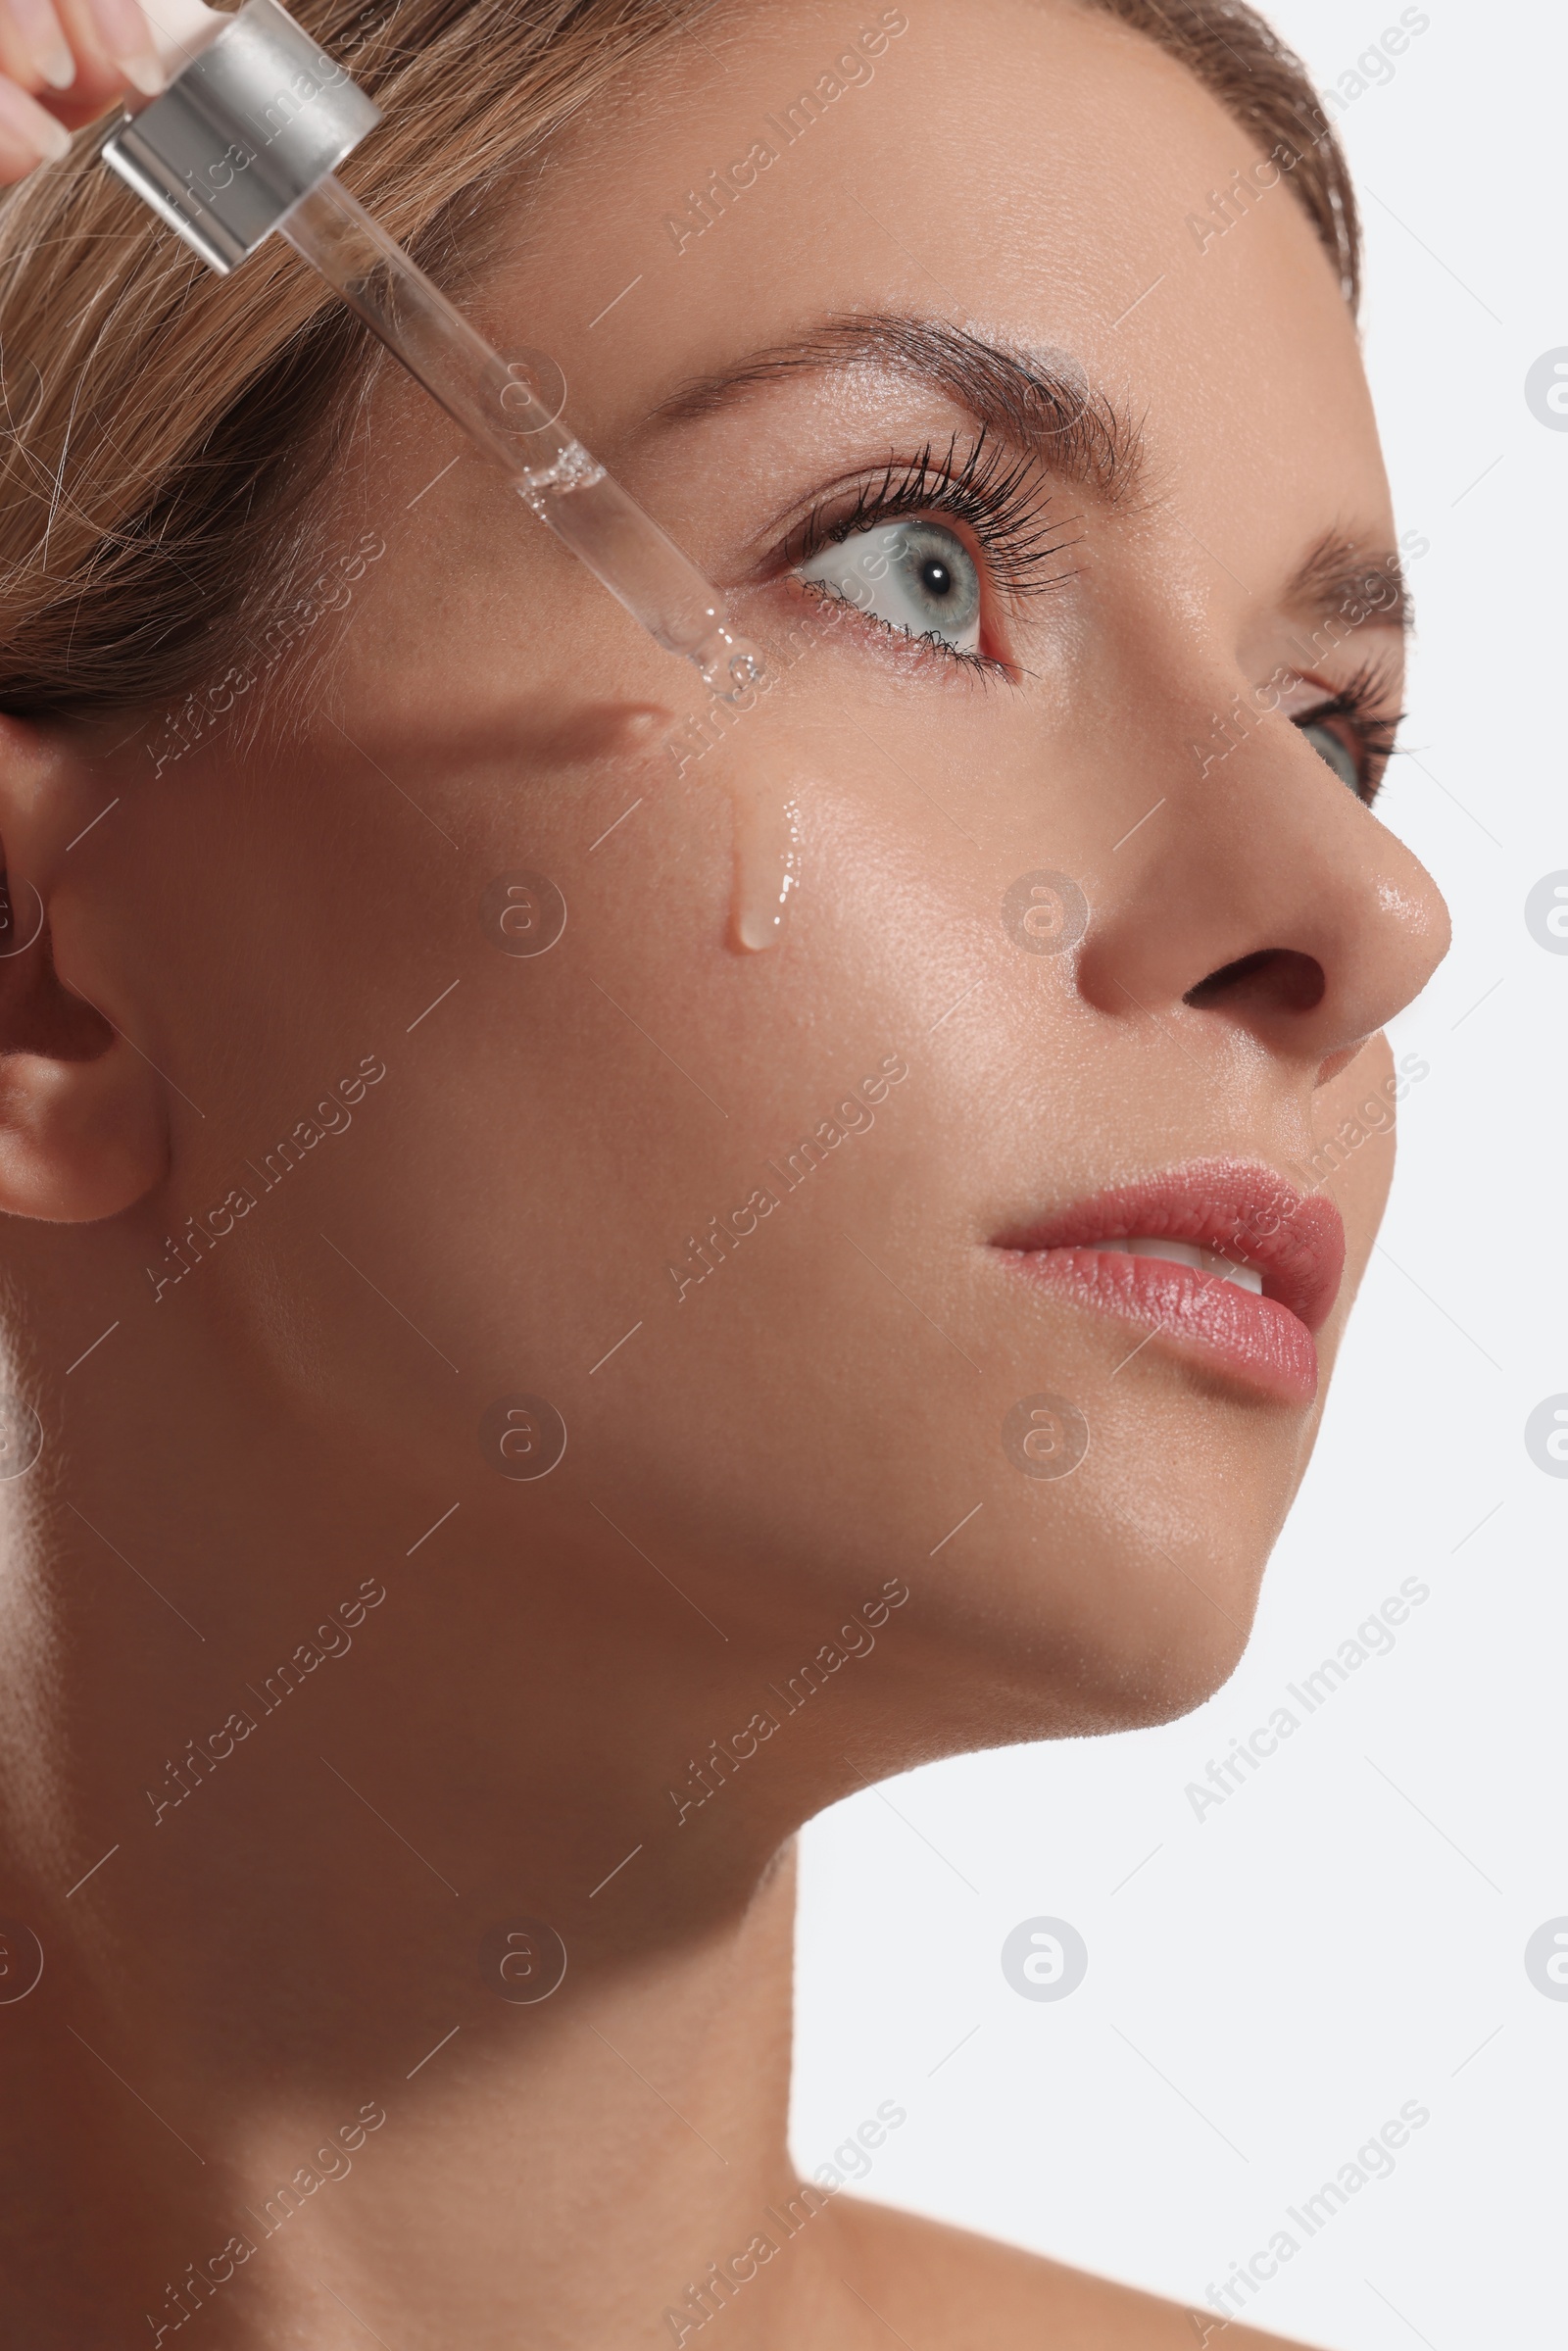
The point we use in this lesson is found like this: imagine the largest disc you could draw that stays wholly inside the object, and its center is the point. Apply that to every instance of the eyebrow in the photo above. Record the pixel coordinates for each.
(1040, 402)
(1345, 585)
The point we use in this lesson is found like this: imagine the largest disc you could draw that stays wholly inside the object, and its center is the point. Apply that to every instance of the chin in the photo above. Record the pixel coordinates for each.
(1141, 1641)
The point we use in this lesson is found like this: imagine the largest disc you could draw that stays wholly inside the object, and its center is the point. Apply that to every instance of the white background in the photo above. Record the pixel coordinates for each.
(1347, 1932)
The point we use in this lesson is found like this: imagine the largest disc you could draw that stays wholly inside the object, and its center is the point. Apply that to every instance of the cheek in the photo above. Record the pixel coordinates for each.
(557, 1152)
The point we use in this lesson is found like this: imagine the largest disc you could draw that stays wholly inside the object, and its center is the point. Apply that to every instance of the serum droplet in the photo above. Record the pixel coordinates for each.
(767, 863)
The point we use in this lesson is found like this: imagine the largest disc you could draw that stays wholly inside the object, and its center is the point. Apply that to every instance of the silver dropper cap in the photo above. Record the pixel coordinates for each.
(254, 123)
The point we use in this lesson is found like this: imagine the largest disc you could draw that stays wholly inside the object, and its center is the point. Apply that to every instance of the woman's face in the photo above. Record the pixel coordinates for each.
(1081, 898)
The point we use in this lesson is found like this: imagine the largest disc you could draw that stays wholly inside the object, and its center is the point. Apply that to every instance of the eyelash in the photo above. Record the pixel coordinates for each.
(1362, 704)
(996, 493)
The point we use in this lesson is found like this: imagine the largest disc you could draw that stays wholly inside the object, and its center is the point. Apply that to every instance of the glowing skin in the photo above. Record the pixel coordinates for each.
(784, 1380)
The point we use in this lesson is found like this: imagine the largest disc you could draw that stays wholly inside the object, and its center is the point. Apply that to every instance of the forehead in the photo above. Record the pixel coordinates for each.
(1028, 168)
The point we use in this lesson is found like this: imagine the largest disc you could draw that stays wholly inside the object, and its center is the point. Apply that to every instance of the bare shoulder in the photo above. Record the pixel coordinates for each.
(953, 2291)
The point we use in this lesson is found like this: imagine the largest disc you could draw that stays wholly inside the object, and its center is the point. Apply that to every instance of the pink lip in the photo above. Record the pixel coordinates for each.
(1234, 1207)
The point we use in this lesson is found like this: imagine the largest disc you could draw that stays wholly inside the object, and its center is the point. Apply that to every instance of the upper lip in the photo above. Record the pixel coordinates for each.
(1238, 1209)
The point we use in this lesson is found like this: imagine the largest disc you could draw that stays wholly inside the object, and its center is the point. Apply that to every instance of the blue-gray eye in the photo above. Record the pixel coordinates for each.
(1339, 755)
(916, 577)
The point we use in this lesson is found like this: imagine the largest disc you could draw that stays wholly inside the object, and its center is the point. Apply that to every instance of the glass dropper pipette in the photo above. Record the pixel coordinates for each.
(245, 140)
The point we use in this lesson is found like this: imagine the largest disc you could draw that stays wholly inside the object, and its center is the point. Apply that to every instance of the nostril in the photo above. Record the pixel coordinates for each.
(1275, 979)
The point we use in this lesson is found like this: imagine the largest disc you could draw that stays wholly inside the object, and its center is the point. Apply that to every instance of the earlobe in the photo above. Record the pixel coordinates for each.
(83, 1132)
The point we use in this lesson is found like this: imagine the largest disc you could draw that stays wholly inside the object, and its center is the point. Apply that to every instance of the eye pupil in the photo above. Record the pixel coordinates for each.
(936, 579)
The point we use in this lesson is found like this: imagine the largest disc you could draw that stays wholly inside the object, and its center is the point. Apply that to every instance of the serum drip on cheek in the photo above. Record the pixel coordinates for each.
(763, 781)
(767, 860)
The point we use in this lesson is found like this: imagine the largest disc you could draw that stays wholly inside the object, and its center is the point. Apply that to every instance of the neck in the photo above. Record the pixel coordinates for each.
(296, 1817)
(416, 2155)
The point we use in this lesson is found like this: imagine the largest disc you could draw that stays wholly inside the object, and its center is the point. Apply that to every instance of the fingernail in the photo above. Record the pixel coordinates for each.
(122, 30)
(144, 73)
(41, 29)
(27, 120)
(56, 65)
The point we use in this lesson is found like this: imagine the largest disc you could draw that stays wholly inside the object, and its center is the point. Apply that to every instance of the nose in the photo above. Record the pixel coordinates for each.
(1263, 896)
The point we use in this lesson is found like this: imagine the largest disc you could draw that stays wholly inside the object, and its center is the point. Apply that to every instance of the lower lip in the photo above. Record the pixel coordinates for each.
(1202, 1317)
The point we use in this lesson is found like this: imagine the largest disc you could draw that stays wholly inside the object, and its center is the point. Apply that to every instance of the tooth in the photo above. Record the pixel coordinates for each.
(1246, 1277)
(1178, 1252)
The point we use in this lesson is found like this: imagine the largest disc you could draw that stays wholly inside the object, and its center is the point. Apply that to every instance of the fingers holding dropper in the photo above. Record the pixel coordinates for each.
(126, 39)
(115, 49)
(62, 64)
(33, 42)
(28, 136)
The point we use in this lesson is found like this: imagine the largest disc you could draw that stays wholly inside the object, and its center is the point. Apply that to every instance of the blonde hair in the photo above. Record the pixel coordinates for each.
(164, 429)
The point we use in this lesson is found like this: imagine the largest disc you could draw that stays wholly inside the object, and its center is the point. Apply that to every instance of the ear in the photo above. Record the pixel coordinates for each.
(83, 1129)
